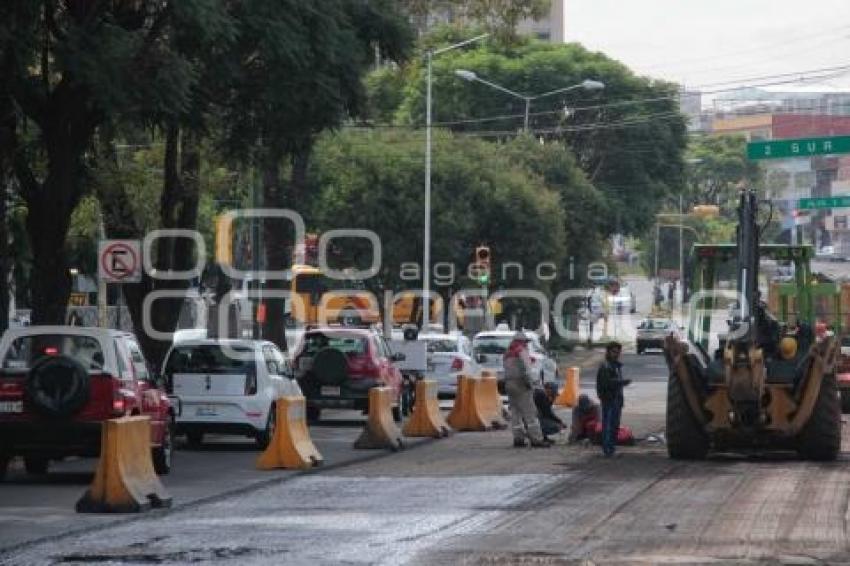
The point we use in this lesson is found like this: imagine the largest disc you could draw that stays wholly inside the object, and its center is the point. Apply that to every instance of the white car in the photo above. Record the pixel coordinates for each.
(826, 253)
(228, 386)
(489, 347)
(448, 356)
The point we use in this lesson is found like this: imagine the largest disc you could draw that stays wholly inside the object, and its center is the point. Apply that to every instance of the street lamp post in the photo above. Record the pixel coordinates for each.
(586, 84)
(426, 255)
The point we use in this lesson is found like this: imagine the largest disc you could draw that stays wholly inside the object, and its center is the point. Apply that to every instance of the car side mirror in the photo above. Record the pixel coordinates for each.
(398, 357)
(479, 358)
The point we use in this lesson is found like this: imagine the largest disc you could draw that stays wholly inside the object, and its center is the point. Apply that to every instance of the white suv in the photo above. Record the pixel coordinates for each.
(490, 346)
(228, 386)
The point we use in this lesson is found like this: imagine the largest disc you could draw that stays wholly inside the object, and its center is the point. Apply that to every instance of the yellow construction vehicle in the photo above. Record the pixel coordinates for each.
(770, 384)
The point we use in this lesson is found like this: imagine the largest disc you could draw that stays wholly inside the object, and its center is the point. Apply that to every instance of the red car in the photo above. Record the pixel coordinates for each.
(336, 367)
(59, 383)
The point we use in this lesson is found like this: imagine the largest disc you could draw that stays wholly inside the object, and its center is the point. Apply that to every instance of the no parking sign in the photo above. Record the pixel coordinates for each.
(119, 261)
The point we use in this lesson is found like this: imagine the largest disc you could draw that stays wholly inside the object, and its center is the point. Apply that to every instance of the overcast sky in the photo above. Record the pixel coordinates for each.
(702, 42)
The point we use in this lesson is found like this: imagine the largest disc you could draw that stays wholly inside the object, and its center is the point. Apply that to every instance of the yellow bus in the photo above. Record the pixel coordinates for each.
(347, 300)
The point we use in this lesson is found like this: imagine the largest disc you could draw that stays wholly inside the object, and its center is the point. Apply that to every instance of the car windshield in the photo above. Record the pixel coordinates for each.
(25, 351)
(441, 345)
(492, 344)
(656, 325)
(346, 343)
(209, 358)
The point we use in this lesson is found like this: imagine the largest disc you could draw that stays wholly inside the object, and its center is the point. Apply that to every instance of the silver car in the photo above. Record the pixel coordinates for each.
(651, 333)
(449, 355)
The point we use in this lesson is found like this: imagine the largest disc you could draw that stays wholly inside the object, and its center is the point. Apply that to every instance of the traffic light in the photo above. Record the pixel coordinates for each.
(482, 265)
(224, 239)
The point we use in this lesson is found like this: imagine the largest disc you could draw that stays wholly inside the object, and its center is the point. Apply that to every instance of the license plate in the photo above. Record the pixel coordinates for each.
(329, 391)
(11, 406)
(206, 411)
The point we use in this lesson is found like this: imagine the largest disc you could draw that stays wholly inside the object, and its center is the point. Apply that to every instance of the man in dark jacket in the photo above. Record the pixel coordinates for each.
(550, 423)
(609, 388)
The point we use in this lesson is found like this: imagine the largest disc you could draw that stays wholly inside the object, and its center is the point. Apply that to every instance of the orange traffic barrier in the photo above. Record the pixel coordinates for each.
(426, 419)
(490, 400)
(568, 397)
(467, 411)
(290, 445)
(381, 431)
(125, 481)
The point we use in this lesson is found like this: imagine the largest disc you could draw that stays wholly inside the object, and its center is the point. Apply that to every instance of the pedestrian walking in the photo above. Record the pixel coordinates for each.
(656, 294)
(671, 293)
(519, 385)
(609, 388)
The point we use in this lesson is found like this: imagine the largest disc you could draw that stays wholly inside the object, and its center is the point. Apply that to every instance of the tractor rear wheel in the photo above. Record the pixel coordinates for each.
(820, 438)
(685, 439)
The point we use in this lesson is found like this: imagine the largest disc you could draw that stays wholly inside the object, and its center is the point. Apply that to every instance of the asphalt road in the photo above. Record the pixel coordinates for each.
(468, 499)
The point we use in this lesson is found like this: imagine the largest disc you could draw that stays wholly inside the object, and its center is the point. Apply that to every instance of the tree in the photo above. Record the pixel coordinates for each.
(500, 17)
(201, 44)
(717, 167)
(70, 67)
(582, 203)
(299, 70)
(629, 138)
(373, 180)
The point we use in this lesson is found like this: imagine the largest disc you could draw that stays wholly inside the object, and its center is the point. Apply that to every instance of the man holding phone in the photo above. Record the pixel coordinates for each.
(609, 388)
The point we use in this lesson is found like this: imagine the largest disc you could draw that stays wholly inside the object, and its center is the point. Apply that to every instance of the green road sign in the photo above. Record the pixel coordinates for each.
(804, 147)
(842, 201)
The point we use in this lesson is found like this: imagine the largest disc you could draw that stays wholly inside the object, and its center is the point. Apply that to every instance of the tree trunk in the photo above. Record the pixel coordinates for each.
(298, 184)
(277, 248)
(179, 209)
(8, 124)
(47, 229)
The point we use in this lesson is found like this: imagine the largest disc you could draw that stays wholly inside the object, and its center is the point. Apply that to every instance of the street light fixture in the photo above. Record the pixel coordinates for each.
(587, 84)
(426, 259)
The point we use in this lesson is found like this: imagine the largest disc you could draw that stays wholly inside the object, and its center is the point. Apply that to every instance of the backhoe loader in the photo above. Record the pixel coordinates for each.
(769, 384)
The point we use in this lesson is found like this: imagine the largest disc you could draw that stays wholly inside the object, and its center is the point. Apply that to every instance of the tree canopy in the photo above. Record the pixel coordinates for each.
(628, 138)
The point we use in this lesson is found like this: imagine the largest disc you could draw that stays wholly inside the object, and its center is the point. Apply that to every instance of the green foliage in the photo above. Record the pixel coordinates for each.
(373, 180)
(628, 138)
(501, 17)
(298, 68)
(717, 165)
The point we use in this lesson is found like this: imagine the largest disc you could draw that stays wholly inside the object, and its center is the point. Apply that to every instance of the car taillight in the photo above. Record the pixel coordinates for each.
(251, 383)
(362, 365)
(119, 402)
(457, 364)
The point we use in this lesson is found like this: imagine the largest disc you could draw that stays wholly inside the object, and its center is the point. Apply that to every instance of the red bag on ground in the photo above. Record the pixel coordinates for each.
(625, 436)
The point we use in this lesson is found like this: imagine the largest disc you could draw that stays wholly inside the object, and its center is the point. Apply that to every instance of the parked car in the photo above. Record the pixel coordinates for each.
(59, 383)
(336, 367)
(651, 333)
(228, 386)
(490, 346)
(826, 253)
(449, 355)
